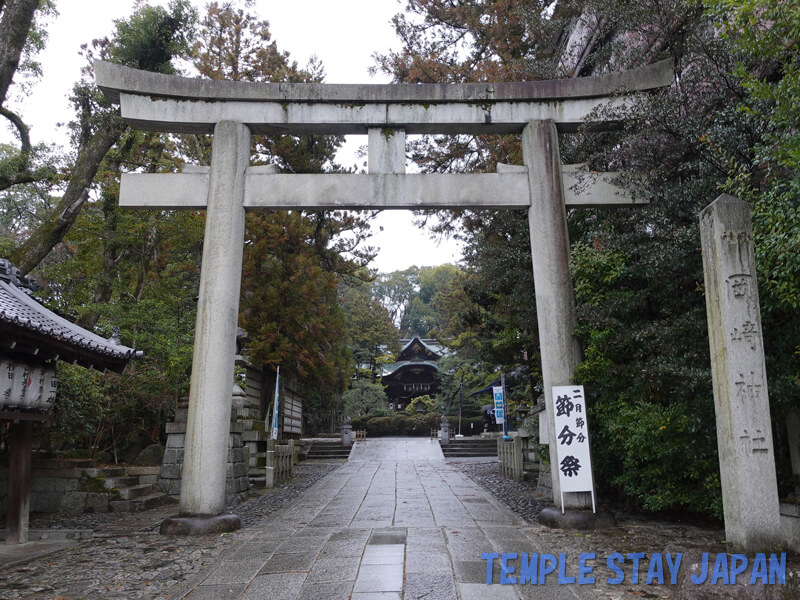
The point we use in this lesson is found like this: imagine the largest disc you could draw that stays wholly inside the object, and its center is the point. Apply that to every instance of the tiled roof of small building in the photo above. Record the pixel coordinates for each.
(23, 319)
(390, 368)
(427, 343)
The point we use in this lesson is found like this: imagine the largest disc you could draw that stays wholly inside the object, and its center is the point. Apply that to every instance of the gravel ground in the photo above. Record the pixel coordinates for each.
(633, 533)
(521, 497)
(127, 558)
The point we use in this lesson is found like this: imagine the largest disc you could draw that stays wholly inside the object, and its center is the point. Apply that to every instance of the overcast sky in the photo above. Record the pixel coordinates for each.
(342, 33)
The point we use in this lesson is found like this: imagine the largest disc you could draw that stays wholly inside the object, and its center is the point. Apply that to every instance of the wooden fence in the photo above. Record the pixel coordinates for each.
(511, 460)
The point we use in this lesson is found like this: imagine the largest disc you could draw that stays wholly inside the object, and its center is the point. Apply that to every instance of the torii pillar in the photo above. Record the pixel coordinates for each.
(555, 300)
(208, 423)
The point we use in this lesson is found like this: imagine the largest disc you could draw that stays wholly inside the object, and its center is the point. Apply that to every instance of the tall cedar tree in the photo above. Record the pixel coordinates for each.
(293, 260)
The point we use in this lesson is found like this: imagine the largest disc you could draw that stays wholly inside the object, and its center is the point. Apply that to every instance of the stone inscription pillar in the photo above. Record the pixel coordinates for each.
(208, 420)
(555, 303)
(744, 433)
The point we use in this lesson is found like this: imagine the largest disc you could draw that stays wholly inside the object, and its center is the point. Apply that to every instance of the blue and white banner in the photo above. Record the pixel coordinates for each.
(275, 412)
(499, 405)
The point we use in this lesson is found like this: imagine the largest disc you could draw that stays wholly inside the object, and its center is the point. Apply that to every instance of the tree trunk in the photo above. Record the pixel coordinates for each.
(105, 287)
(52, 231)
(15, 23)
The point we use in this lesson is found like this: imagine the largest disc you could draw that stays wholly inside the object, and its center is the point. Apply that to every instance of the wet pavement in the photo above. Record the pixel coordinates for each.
(397, 521)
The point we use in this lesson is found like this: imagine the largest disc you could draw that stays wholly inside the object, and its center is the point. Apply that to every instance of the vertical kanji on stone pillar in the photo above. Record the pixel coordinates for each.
(555, 303)
(744, 431)
(208, 421)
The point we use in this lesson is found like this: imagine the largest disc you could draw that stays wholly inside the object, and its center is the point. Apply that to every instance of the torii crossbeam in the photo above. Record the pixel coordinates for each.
(234, 111)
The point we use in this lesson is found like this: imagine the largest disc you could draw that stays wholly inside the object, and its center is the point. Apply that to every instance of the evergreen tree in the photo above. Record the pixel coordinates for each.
(638, 275)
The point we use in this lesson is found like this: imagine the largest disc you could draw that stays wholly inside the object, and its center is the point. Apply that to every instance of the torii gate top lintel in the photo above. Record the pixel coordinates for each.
(158, 102)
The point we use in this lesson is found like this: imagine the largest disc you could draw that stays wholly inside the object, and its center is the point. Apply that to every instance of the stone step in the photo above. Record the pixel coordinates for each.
(259, 461)
(471, 446)
(151, 479)
(64, 463)
(141, 503)
(476, 446)
(105, 472)
(327, 456)
(491, 444)
(135, 491)
(125, 481)
(464, 453)
(142, 470)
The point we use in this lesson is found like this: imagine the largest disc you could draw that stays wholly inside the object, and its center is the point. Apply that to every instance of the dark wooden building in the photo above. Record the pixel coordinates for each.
(32, 338)
(416, 372)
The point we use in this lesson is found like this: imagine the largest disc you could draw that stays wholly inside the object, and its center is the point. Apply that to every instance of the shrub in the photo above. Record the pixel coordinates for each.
(364, 397)
(399, 425)
(359, 423)
(421, 425)
(378, 426)
(428, 403)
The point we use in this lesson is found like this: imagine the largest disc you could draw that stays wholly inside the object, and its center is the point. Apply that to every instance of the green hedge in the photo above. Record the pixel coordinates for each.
(403, 424)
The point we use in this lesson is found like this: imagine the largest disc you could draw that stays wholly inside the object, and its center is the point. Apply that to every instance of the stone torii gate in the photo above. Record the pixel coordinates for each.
(233, 111)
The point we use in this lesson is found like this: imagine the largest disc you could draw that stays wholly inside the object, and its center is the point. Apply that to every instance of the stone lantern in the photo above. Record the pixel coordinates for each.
(347, 433)
(445, 428)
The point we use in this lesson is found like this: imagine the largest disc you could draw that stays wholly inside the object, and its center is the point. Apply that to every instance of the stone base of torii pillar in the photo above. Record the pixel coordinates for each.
(550, 516)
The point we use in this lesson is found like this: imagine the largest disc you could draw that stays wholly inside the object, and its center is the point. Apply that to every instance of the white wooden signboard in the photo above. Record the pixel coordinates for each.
(572, 441)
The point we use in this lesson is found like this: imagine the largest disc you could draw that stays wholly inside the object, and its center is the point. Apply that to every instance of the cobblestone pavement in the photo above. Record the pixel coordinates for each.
(127, 558)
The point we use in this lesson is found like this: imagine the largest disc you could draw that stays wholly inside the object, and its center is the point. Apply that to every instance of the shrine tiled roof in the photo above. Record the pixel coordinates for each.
(390, 368)
(27, 326)
(429, 344)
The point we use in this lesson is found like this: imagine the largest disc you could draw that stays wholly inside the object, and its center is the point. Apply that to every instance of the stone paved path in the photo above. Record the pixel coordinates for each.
(395, 522)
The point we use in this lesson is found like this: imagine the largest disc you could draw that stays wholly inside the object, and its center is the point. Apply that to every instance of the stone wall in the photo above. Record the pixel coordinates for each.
(70, 491)
(237, 482)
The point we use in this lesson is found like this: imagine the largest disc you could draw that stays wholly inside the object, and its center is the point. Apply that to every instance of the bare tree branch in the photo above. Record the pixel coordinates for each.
(39, 244)
(24, 136)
